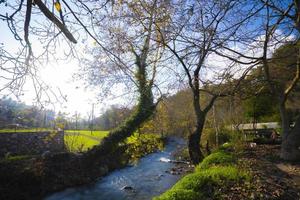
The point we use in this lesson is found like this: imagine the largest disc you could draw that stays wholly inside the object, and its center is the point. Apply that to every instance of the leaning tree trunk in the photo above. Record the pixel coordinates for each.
(143, 112)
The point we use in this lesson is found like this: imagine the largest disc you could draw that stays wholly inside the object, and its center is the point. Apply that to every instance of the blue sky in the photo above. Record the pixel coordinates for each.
(58, 74)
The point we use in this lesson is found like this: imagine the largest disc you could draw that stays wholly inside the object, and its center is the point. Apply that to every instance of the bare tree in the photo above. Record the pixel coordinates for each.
(284, 19)
(201, 31)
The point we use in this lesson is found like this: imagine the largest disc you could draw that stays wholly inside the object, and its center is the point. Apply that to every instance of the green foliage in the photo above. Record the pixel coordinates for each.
(218, 158)
(140, 145)
(16, 113)
(262, 107)
(224, 136)
(209, 134)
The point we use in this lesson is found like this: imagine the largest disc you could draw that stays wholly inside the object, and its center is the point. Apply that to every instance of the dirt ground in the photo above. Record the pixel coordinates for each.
(272, 178)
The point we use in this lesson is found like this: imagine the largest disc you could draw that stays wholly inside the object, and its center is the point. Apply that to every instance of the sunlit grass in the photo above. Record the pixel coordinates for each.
(79, 143)
(82, 140)
(98, 134)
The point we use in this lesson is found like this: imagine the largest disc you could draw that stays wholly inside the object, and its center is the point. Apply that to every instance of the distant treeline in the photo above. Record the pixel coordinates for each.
(17, 114)
(13, 113)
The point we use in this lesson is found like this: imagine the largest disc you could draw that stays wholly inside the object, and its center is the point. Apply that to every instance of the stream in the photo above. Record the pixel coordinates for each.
(148, 178)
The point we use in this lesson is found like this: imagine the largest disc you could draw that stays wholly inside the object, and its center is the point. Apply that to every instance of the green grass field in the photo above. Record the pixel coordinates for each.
(75, 140)
(97, 134)
(82, 140)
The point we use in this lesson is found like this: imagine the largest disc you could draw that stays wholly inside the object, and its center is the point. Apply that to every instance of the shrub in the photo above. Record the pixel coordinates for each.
(140, 145)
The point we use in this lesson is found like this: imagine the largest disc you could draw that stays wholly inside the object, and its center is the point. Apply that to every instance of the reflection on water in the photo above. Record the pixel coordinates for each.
(143, 181)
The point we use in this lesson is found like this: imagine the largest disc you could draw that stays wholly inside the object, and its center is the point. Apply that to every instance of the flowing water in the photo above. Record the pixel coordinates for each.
(148, 178)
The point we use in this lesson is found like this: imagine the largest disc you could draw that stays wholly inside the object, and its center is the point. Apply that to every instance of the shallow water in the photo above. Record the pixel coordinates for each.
(148, 178)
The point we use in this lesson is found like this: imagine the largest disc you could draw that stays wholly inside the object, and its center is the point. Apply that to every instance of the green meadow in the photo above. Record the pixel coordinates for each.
(82, 140)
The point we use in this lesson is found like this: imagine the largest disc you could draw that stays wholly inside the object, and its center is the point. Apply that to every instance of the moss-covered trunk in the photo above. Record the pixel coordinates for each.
(144, 110)
(142, 113)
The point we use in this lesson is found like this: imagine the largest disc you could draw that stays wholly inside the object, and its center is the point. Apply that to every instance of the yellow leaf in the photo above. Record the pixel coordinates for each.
(57, 6)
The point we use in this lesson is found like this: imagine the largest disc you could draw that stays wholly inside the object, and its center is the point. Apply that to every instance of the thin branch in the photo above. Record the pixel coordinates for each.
(56, 21)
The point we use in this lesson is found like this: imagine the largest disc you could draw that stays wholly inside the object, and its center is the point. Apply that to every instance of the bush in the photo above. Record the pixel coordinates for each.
(140, 145)
(224, 136)
(217, 158)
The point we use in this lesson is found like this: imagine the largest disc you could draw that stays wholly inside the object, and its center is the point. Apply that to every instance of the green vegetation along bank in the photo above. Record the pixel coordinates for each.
(216, 170)
(232, 173)
(54, 172)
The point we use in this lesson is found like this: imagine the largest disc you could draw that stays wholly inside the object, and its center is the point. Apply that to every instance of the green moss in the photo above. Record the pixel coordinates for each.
(218, 174)
(217, 158)
(215, 171)
(226, 146)
(203, 183)
(180, 194)
(195, 182)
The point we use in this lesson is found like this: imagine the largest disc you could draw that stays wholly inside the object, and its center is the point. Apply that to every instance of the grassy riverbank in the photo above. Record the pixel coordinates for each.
(215, 170)
(231, 174)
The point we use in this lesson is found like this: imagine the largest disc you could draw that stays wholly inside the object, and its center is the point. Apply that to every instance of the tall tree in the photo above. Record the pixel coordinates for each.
(200, 29)
(132, 56)
(285, 18)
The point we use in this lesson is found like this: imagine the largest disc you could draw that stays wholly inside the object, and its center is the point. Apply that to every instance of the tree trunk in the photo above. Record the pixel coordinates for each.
(290, 146)
(194, 139)
(194, 143)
